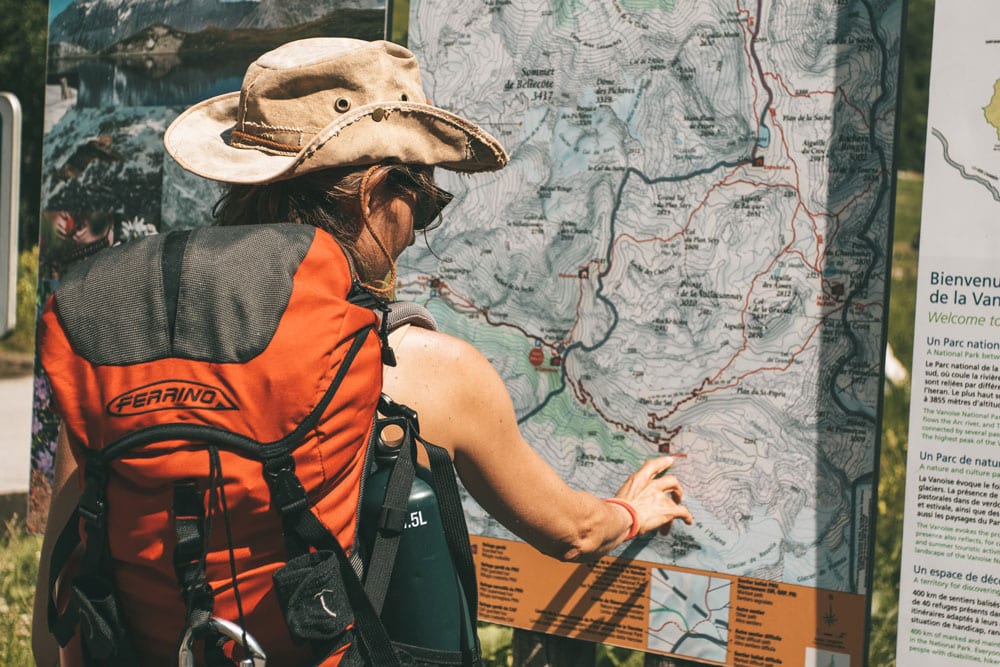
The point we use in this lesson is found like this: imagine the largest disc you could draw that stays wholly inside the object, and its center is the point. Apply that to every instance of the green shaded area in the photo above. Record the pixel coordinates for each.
(563, 413)
(668, 610)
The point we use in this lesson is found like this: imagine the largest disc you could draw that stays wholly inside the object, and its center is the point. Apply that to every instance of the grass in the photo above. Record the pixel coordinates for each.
(17, 346)
(19, 550)
(18, 569)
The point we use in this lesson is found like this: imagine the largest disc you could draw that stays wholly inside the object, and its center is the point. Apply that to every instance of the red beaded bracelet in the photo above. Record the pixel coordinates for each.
(634, 528)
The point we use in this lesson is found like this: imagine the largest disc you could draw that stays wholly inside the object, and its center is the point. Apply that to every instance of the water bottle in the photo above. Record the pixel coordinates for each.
(425, 604)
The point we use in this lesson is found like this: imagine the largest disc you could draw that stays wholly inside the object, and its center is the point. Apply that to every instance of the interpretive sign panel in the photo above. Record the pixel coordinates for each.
(949, 610)
(119, 71)
(686, 254)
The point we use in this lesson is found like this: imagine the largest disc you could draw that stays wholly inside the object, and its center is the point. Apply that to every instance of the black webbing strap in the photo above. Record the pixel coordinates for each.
(93, 510)
(288, 497)
(93, 605)
(362, 296)
(455, 530)
(190, 528)
(302, 529)
(189, 554)
(383, 556)
(395, 509)
(63, 626)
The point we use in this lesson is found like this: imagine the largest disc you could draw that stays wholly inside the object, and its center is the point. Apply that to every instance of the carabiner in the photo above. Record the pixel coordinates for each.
(220, 626)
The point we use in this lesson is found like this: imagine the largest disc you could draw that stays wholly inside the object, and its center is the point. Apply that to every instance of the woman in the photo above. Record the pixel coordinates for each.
(337, 134)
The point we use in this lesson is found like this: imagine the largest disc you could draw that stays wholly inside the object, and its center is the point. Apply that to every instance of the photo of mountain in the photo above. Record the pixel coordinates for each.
(119, 71)
(93, 26)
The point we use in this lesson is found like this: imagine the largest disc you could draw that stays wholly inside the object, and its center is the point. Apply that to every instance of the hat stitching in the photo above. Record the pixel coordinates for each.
(280, 128)
(251, 140)
(244, 101)
(264, 137)
(426, 110)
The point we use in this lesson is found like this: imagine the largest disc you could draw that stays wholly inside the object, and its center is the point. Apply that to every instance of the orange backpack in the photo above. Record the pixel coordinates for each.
(218, 387)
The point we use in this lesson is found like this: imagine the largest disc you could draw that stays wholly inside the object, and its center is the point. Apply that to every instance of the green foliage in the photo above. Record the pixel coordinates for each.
(895, 424)
(18, 570)
(23, 40)
(22, 338)
(903, 290)
(889, 529)
(914, 84)
(400, 28)
(496, 644)
(612, 656)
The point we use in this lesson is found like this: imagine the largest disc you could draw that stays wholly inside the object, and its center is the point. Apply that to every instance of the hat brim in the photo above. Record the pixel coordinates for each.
(406, 132)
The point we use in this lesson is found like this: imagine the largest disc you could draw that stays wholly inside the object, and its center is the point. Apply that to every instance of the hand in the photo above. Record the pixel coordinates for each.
(655, 496)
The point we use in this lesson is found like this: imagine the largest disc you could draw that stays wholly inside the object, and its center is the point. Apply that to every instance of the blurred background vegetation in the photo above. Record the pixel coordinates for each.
(22, 71)
(23, 40)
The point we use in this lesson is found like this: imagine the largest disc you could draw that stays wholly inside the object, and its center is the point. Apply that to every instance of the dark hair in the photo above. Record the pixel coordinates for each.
(326, 199)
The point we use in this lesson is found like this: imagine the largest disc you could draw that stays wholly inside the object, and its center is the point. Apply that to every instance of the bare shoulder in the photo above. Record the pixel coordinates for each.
(427, 350)
(451, 385)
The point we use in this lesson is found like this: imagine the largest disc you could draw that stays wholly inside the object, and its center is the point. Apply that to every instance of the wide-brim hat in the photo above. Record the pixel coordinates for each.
(326, 102)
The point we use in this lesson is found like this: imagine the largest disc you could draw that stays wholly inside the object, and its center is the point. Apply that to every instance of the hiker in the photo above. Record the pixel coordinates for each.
(337, 134)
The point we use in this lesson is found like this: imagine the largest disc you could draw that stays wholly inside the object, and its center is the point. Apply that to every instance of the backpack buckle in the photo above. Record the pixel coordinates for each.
(92, 507)
(286, 490)
(221, 627)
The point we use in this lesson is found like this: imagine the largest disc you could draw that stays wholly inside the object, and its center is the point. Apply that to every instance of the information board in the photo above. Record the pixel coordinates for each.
(949, 610)
(687, 254)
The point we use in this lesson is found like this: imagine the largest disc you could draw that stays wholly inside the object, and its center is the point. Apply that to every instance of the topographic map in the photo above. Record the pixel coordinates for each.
(689, 614)
(686, 254)
(963, 116)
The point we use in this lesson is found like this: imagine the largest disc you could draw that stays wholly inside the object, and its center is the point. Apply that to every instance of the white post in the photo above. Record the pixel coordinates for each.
(10, 187)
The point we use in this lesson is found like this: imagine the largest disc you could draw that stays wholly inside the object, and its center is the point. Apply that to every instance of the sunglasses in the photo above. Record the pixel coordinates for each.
(430, 200)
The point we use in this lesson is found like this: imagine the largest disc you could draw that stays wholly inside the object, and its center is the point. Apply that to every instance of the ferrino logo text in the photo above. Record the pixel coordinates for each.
(170, 395)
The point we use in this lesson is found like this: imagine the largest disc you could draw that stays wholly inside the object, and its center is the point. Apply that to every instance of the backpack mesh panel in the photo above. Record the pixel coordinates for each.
(234, 287)
(234, 291)
(129, 277)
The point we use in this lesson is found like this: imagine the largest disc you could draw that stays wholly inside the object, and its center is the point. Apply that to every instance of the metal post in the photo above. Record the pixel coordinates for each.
(10, 189)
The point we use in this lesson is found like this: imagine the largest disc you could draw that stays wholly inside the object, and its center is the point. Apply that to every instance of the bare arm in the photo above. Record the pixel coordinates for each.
(465, 408)
(65, 494)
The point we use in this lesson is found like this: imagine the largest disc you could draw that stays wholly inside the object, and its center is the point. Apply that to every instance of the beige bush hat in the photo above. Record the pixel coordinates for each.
(326, 102)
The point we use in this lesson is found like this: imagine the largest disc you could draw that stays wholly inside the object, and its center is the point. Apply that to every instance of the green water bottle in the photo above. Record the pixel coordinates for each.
(425, 604)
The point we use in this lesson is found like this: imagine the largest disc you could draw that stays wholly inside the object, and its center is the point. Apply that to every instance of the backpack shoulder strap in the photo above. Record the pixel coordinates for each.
(401, 313)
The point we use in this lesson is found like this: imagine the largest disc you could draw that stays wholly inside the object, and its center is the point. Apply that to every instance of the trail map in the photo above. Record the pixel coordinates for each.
(687, 254)
(689, 614)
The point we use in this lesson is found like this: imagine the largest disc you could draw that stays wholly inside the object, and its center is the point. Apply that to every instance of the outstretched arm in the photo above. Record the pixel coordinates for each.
(464, 407)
